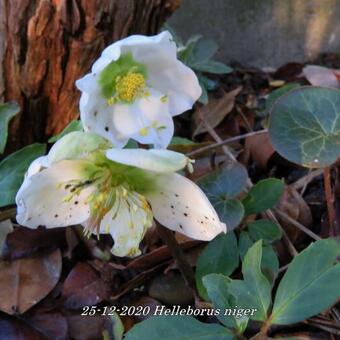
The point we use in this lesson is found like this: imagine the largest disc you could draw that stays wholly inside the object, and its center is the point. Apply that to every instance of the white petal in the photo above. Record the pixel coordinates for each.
(40, 199)
(97, 117)
(102, 62)
(178, 82)
(77, 145)
(89, 84)
(147, 120)
(320, 76)
(182, 206)
(165, 72)
(142, 47)
(127, 224)
(36, 166)
(157, 160)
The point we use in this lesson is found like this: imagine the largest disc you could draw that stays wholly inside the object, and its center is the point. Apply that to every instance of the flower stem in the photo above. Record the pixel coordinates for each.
(177, 253)
(329, 200)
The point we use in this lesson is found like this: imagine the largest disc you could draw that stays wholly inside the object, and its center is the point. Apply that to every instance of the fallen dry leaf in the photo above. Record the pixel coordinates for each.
(24, 282)
(83, 287)
(260, 149)
(23, 242)
(295, 206)
(215, 111)
(84, 327)
(52, 325)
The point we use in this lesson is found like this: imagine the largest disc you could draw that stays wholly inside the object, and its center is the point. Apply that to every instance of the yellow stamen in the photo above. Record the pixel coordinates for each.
(129, 87)
(144, 131)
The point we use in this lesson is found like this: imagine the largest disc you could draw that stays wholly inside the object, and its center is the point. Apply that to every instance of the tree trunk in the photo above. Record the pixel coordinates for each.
(45, 45)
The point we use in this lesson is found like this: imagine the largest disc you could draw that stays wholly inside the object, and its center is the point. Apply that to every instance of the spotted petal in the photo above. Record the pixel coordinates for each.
(180, 205)
(41, 198)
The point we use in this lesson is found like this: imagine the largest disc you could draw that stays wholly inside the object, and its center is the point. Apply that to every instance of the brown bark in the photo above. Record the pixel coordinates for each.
(45, 45)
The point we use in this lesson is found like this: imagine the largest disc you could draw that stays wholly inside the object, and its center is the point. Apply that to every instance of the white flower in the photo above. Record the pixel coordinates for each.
(116, 191)
(134, 90)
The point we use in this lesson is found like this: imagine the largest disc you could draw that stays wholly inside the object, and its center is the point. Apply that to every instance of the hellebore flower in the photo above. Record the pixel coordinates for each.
(134, 90)
(83, 180)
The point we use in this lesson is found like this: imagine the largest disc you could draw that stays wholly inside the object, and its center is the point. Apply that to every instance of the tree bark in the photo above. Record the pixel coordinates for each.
(45, 45)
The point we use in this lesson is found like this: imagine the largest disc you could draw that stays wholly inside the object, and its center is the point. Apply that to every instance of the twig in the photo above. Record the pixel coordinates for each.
(297, 224)
(8, 213)
(224, 142)
(329, 200)
(285, 236)
(305, 180)
(177, 253)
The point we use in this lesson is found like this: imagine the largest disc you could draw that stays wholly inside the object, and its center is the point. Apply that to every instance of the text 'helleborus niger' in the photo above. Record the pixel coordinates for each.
(83, 180)
(134, 90)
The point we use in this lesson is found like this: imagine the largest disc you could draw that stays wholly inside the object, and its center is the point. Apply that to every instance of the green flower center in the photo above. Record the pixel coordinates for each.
(111, 183)
(123, 81)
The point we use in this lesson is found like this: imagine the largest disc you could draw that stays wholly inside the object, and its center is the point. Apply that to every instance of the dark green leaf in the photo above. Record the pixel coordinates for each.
(275, 95)
(255, 290)
(177, 327)
(13, 168)
(181, 141)
(186, 53)
(227, 182)
(230, 211)
(220, 256)
(264, 229)
(305, 126)
(212, 67)
(205, 49)
(218, 292)
(263, 195)
(204, 98)
(7, 112)
(269, 263)
(75, 125)
(310, 285)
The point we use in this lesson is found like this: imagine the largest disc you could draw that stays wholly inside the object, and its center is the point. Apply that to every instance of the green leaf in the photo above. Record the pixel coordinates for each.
(177, 327)
(205, 49)
(220, 256)
(229, 210)
(181, 141)
(7, 112)
(263, 195)
(210, 84)
(75, 125)
(227, 182)
(304, 126)
(264, 229)
(269, 262)
(212, 67)
(204, 98)
(218, 292)
(186, 53)
(275, 95)
(13, 168)
(255, 290)
(220, 186)
(310, 285)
